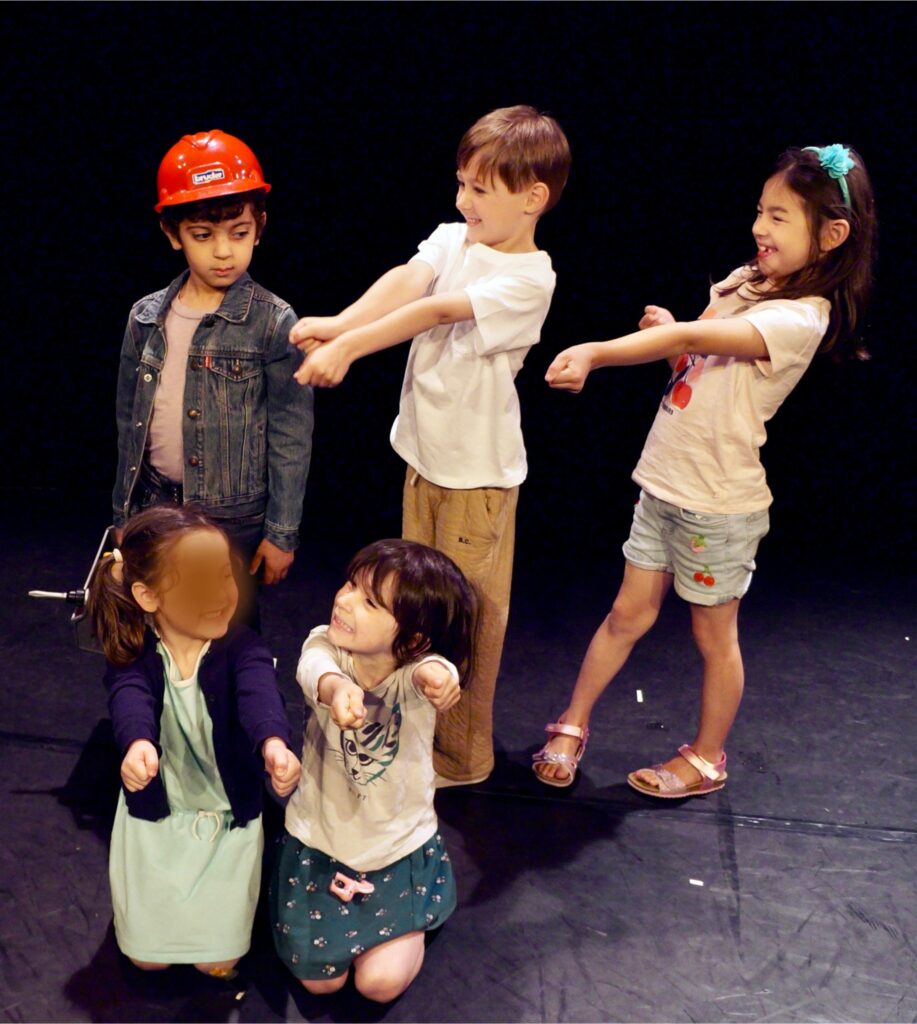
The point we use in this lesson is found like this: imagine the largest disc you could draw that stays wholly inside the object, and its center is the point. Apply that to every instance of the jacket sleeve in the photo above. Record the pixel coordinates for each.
(259, 701)
(289, 436)
(132, 705)
(124, 407)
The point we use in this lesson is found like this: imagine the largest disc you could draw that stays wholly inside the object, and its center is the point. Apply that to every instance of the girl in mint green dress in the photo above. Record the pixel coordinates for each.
(199, 719)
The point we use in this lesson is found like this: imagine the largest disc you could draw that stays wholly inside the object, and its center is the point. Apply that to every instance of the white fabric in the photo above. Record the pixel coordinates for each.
(166, 447)
(459, 422)
(702, 452)
(366, 795)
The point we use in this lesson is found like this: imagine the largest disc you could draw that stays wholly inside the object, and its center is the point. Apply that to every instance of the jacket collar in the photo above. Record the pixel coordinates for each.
(234, 308)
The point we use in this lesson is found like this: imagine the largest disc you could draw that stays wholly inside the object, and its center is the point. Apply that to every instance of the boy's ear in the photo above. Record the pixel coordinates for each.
(833, 234)
(145, 597)
(261, 227)
(538, 197)
(175, 242)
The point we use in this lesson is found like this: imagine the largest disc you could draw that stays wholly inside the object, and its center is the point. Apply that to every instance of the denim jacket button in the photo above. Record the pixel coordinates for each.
(194, 413)
(194, 461)
(148, 377)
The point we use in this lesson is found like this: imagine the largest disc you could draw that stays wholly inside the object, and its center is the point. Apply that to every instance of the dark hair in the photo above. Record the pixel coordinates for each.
(522, 146)
(845, 274)
(216, 209)
(119, 622)
(432, 602)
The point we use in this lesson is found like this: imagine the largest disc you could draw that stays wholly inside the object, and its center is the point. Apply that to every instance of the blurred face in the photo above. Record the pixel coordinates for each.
(198, 595)
(495, 216)
(217, 254)
(781, 230)
(360, 623)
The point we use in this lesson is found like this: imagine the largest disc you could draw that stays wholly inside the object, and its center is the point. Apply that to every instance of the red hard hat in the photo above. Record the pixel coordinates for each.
(207, 165)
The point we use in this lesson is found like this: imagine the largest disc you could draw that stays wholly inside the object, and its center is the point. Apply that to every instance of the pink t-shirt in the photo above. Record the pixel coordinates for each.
(165, 445)
(702, 452)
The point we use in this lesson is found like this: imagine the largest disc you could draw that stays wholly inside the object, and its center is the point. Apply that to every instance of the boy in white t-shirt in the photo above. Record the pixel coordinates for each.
(474, 299)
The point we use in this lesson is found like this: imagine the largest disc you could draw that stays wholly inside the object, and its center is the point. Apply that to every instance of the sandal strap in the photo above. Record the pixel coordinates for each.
(561, 728)
(708, 770)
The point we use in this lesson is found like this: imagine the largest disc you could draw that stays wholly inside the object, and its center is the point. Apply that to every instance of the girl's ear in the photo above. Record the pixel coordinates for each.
(145, 597)
(833, 234)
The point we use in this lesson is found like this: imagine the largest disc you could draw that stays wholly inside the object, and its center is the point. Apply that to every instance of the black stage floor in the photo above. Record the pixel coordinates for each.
(788, 897)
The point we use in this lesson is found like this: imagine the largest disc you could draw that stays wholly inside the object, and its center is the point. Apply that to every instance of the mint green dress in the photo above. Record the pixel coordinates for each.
(184, 889)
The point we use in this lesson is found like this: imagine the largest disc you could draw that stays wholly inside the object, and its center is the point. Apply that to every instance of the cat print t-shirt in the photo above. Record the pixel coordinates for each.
(366, 795)
(703, 450)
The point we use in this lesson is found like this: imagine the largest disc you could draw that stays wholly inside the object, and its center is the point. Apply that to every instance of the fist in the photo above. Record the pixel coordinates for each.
(655, 316)
(140, 766)
(282, 765)
(347, 708)
(569, 370)
(437, 684)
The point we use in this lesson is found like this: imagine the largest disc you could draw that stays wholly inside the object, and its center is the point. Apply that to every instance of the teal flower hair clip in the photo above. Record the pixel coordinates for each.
(836, 162)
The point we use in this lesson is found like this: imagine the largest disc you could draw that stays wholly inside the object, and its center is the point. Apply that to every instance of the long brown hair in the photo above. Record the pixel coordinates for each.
(119, 622)
(432, 602)
(845, 274)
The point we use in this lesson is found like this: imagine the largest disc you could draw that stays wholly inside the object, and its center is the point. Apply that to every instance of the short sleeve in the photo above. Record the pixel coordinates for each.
(319, 658)
(792, 331)
(435, 250)
(509, 310)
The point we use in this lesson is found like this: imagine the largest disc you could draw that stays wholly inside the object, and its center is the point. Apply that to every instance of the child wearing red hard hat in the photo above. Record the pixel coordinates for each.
(207, 409)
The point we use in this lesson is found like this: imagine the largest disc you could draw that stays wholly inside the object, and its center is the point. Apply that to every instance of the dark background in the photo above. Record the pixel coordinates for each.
(675, 114)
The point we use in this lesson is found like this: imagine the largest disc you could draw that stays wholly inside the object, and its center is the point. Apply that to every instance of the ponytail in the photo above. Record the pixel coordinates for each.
(118, 621)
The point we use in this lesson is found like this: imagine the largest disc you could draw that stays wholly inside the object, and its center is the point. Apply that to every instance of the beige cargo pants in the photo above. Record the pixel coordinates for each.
(476, 529)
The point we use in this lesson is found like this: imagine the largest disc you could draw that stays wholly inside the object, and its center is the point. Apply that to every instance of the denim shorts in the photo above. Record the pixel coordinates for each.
(712, 557)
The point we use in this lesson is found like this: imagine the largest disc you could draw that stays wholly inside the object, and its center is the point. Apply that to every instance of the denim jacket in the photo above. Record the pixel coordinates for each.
(247, 435)
(239, 683)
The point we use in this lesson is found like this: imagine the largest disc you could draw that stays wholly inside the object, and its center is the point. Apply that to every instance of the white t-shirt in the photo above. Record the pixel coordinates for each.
(459, 422)
(702, 452)
(365, 796)
(166, 445)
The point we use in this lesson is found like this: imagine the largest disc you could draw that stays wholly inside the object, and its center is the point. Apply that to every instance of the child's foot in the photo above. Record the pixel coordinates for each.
(687, 774)
(557, 761)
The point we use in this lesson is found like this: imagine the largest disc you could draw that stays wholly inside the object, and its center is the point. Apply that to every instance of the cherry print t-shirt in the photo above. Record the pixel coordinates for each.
(703, 450)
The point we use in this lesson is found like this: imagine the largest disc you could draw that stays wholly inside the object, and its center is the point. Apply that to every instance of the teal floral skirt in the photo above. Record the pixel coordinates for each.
(318, 935)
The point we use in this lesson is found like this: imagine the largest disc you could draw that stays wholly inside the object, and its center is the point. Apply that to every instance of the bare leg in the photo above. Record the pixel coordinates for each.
(716, 633)
(635, 610)
(146, 965)
(219, 969)
(384, 972)
(324, 988)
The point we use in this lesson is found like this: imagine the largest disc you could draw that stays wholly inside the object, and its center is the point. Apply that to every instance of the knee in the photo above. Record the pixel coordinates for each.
(713, 642)
(323, 988)
(223, 969)
(629, 619)
(378, 987)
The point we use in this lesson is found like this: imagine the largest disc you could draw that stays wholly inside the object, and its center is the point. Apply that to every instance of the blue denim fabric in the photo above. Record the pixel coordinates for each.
(248, 433)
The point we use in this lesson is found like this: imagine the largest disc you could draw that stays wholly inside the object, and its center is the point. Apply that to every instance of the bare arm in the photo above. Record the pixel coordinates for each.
(730, 336)
(327, 366)
(395, 288)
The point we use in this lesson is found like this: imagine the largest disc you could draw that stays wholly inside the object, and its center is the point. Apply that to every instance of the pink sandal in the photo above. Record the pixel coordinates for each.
(545, 756)
(666, 785)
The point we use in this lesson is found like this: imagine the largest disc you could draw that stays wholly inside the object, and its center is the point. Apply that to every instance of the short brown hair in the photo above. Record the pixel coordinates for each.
(522, 146)
(216, 209)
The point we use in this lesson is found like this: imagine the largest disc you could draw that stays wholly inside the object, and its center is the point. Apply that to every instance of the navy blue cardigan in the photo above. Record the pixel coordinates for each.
(239, 683)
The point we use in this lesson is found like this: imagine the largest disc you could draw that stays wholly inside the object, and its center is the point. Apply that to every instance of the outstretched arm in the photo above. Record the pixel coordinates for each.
(395, 288)
(327, 366)
(728, 336)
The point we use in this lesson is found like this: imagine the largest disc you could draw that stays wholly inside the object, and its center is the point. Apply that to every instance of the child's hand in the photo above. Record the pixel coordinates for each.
(570, 369)
(655, 316)
(277, 562)
(325, 367)
(437, 684)
(347, 708)
(140, 766)
(311, 331)
(281, 764)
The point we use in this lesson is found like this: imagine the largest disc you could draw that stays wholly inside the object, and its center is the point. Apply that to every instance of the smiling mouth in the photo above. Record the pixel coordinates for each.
(764, 251)
(339, 623)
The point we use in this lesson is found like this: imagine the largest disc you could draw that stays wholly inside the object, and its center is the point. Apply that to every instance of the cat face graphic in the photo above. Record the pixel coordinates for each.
(369, 750)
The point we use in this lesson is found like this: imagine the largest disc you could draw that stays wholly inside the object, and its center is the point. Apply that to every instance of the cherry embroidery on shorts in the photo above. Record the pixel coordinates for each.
(704, 577)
